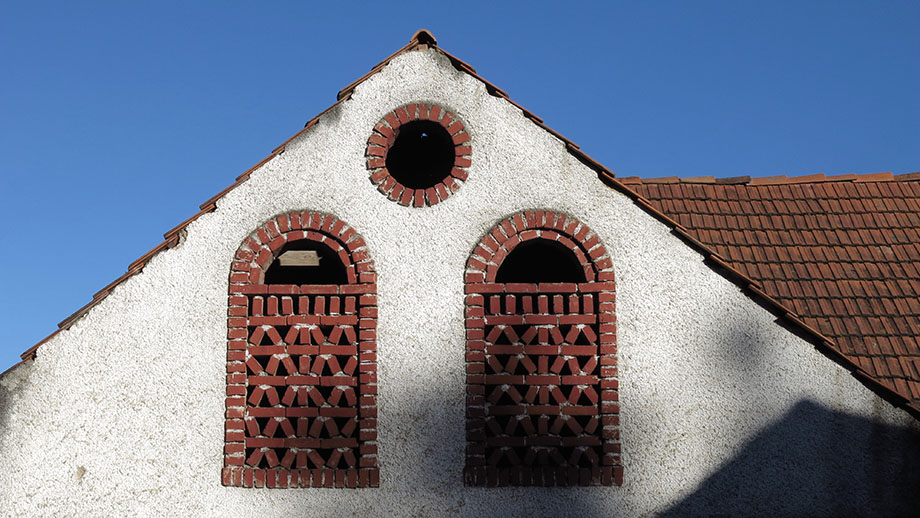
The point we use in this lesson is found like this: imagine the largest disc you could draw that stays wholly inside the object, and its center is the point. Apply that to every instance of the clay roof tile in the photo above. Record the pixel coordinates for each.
(858, 234)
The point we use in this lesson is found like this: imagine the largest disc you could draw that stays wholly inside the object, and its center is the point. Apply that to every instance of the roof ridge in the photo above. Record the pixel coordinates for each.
(777, 180)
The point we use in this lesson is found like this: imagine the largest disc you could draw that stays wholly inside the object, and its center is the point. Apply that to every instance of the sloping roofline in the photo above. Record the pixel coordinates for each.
(423, 40)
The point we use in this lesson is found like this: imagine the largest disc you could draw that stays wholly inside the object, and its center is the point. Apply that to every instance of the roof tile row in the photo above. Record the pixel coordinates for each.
(843, 253)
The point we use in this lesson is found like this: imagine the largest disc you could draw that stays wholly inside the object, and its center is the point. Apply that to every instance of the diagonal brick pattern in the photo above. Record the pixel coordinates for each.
(301, 364)
(543, 403)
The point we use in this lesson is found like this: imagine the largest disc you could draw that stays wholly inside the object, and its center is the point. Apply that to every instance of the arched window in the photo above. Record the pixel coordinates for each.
(542, 400)
(301, 358)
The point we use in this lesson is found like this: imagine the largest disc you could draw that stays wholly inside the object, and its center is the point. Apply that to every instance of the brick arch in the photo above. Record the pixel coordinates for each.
(301, 407)
(532, 224)
(542, 382)
(383, 137)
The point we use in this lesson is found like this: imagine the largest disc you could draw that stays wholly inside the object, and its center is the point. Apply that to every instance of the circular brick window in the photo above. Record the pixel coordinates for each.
(418, 154)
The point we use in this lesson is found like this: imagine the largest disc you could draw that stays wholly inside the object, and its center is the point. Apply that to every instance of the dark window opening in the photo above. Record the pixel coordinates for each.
(422, 155)
(310, 263)
(541, 260)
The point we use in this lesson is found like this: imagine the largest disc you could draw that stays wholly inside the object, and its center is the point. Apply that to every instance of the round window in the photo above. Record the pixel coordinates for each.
(418, 154)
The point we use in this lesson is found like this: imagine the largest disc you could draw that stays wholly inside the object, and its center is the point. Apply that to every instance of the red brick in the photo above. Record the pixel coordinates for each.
(383, 129)
(392, 120)
(272, 228)
(379, 175)
(284, 224)
(469, 277)
(423, 111)
(374, 478)
(406, 198)
(442, 192)
(475, 264)
(402, 114)
(378, 140)
(391, 188)
(432, 196)
(262, 236)
(295, 220)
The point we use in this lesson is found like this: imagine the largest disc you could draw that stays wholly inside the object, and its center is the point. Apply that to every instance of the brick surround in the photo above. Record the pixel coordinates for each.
(301, 407)
(383, 137)
(541, 362)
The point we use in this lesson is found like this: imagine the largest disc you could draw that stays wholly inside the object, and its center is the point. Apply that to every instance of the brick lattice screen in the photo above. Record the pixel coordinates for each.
(542, 399)
(301, 364)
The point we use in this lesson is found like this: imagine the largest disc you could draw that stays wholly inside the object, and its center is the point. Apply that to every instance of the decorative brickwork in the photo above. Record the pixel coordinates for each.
(542, 398)
(301, 363)
(440, 171)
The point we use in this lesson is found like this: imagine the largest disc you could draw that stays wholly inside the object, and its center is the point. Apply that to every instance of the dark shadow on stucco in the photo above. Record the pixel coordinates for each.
(430, 482)
(5, 404)
(816, 462)
(8, 396)
(430, 451)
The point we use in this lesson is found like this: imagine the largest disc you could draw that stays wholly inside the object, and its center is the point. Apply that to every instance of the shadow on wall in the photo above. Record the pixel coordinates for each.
(5, 407)
(434, 450)
(8, 395)
(431, 482)
(815, 462)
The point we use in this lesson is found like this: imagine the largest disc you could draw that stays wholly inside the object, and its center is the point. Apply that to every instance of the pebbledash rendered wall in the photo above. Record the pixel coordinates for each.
(722, 410)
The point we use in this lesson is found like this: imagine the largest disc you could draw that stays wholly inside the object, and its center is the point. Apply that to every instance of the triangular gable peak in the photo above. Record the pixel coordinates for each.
(897, 393)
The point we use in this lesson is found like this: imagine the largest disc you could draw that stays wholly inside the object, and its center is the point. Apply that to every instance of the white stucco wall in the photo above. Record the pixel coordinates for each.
(123, 413)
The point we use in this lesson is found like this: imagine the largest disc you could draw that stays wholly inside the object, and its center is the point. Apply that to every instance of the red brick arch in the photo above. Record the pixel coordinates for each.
(384, 135)
(542, 383)
(301, 364)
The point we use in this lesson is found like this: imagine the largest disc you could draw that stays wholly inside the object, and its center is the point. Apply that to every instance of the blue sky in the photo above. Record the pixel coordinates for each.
(118, 119)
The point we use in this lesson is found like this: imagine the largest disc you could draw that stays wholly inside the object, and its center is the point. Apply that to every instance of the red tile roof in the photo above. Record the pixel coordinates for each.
(888, 386)
(841, 253)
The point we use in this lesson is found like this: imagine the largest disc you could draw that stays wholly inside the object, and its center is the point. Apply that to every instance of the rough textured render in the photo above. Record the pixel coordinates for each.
(723, 410)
